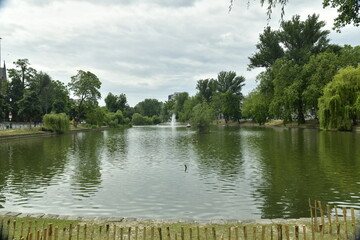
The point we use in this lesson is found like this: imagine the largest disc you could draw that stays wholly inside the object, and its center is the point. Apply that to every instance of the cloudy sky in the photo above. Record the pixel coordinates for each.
(144, 48)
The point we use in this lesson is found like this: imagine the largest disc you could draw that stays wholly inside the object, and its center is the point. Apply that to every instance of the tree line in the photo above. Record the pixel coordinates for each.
(303, 77)
(300, 67)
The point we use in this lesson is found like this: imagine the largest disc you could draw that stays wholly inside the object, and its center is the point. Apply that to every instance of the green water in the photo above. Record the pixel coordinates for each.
(232, 172)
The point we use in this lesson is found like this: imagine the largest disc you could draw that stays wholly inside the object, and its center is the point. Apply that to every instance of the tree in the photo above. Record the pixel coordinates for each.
(301, 39)
(149, 107)
(256, 107)
(207, 88)
(115, 103)
(230, 106)
(202, 117)
(296, 40)
(228, 81)
(29, 106)
(85, 86)
(348, 10)
(339, 106)
(269, 49)
(22, 72)
(180, 99)
(167, 110)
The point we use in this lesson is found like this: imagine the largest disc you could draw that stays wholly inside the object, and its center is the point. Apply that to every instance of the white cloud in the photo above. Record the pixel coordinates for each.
(145, 49)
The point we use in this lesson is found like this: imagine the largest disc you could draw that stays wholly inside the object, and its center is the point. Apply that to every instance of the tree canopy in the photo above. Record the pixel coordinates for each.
(348, 10)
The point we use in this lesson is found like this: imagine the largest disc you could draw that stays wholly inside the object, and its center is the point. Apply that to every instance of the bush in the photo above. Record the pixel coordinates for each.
(202, 117)
(138, 119)
(56, 122)
(339, 106)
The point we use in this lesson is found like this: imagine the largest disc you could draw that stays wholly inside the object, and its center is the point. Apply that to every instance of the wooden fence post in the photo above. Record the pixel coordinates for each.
(129, 233)
(329, 217)
(296, 232)
(245, 232)
(144, 233)
(279, 231)
(160, 234)
(345, 223)
(214, 233)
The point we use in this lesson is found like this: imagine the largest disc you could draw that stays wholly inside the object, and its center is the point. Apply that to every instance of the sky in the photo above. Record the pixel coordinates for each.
(146, 48)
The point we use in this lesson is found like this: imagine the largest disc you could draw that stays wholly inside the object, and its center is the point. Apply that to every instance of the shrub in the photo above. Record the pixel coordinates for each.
(56, 122)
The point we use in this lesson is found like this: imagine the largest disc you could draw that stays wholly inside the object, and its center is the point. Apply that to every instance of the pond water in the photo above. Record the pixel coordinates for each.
(233, 173)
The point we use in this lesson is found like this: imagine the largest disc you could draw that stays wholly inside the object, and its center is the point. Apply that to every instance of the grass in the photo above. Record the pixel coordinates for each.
(20, 131)
(35, 130)
(16, 228)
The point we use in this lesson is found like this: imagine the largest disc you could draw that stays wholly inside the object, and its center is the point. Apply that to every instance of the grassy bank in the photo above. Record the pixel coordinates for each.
(27, 131)
(28, 228)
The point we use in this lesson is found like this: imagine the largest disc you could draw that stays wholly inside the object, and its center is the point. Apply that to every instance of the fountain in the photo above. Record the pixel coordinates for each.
(173, 120)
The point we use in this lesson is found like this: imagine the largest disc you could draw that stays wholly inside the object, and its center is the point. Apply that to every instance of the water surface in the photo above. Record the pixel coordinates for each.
(232, 172)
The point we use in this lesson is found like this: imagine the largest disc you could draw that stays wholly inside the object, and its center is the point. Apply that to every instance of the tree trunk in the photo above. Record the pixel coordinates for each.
(301, 118)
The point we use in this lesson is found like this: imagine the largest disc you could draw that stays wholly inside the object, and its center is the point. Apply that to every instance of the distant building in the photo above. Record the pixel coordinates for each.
(172, 96)
(3, 76)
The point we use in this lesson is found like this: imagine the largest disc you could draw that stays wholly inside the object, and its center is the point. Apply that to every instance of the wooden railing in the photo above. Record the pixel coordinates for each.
(329, 225)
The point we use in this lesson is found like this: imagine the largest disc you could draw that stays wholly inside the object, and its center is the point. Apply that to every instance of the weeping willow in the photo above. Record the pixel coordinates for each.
(339, 107)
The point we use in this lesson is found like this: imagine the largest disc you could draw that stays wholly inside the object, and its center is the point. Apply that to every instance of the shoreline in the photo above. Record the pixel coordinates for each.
(133, 220)
(47, 134)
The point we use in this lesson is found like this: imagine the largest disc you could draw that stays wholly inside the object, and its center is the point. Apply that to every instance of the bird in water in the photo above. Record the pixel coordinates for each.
(185, 167)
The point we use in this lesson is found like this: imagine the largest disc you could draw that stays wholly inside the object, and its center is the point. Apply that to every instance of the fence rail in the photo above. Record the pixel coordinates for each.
(331, 225)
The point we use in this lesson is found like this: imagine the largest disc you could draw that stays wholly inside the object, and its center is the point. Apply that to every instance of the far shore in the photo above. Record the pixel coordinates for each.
(37, 131)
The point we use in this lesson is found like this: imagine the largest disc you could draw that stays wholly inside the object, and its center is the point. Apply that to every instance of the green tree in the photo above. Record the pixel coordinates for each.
(301, 39)
(180, 99)
(29, 106)
(318, 72)
(189, 104)
(348, 10)
(115, 103)
(256, 107)
(230, 106)
(22, 72)
(339, 106)
(149, 107)
(167, 110)
(61, 100)
(269, 49)
(96, 116)
(207, 88)
(202, 117)
(228, 81)
(85, 86)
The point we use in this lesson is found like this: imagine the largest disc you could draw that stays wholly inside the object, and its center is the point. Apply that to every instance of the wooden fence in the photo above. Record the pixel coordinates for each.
(329, 225)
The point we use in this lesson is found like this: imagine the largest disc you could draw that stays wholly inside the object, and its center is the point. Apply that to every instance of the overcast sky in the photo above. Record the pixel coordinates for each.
(145, 48)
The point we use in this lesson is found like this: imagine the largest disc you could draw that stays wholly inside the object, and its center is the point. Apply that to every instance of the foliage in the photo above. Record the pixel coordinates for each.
(228, 81)
(230, 106)
(85, 86)
(149, 107)
(202, 117)
(115, 119)
(115, 103)
(167, 110)
(269, 49)
(348, 10)
(189, 104)
(339, 107)
(96, 116)
(255, 106)
(56, 122)
(29, 106)
(207, 88)
(138, 119)
(180, 99)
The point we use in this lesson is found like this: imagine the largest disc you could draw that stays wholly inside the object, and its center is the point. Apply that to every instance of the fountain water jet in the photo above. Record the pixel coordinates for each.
(173, 120)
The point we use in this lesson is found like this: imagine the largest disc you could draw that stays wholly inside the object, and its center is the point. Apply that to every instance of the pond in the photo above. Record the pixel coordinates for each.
(232, 173)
